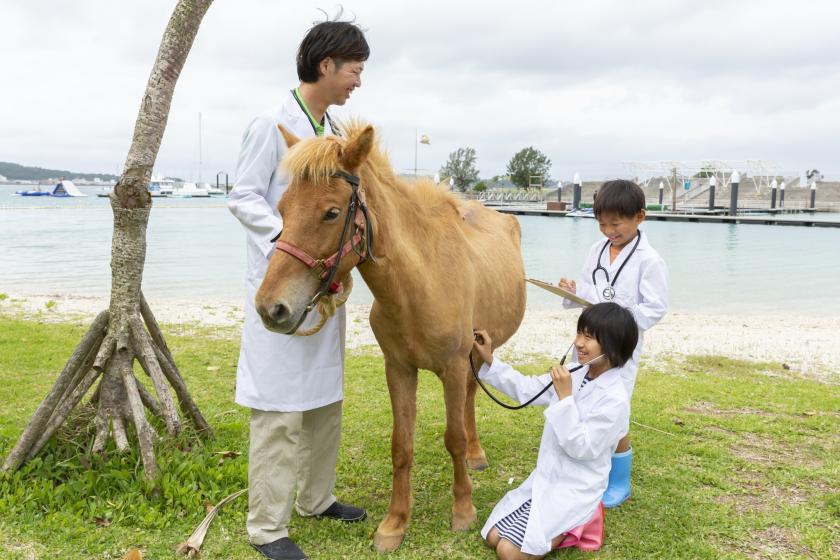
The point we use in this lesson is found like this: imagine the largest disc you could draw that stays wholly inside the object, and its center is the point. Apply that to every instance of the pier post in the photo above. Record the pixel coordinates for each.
(773, 186)
(661, 192)
(813, 194)
(577, 191)
(782, 195)
(712, 183)
(559, 191)
(733, 197)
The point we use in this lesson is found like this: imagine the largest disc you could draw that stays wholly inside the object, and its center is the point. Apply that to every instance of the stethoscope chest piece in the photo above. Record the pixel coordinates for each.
(608, 293)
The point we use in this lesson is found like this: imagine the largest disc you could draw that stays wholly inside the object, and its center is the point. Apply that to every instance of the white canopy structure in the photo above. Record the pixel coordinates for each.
(67, 188)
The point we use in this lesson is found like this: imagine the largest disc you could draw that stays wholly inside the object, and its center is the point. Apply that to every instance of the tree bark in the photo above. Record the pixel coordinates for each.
(117, 336)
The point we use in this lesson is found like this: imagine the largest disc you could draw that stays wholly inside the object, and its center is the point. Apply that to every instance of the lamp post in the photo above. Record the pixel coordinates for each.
(576, 196)
(712, 184)
(733, 197)
(419, 139)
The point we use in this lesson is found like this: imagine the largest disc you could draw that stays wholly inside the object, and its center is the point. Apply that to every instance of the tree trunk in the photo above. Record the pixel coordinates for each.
(118, 336)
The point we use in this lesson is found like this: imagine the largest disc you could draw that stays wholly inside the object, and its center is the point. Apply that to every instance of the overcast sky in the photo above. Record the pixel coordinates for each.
(590, 84)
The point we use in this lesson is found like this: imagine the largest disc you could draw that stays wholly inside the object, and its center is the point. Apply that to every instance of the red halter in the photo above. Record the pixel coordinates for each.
(322, 267)
(325, 269)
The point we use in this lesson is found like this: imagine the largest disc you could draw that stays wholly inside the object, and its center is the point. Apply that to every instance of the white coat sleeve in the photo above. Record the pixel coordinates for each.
(653, 295)
(586, 440)
(258, 160)
(515, 385)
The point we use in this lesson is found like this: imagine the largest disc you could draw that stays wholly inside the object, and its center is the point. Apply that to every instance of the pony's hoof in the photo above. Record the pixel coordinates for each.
(478, 464)
(387, 543)
(461, 522)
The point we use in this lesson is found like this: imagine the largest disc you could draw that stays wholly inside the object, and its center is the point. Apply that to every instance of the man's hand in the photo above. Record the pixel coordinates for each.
(562, 381)
(483, 345)
(568, 285)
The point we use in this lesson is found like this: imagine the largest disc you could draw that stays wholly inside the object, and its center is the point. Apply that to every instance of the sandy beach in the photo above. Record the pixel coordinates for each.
(810, 346)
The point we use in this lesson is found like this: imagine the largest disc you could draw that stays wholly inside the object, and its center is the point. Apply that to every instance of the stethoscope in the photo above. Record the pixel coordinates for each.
(544, 389)
(609, 291)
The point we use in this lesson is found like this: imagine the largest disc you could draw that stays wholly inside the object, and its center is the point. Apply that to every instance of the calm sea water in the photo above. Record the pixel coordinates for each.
(196, 251)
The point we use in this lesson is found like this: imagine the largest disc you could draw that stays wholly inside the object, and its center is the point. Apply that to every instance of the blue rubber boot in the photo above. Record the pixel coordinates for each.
(618, 488)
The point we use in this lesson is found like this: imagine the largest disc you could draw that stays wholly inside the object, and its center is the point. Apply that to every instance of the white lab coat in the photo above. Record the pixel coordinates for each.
(278, 372)
(573, 464)
(642, 287)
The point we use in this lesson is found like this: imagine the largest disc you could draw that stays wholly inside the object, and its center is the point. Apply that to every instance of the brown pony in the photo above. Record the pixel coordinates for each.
(442, 266)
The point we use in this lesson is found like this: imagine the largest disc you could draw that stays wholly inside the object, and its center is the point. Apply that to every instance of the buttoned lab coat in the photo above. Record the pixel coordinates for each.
(642, 288)
(278, 372)
(573, 464)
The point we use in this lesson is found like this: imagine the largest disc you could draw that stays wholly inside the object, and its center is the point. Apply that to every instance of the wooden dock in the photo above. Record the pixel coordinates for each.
(769, 220)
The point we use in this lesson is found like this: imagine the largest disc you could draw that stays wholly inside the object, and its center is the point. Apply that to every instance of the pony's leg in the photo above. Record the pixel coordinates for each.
(455, 437)
(402, 386)
(476, 459)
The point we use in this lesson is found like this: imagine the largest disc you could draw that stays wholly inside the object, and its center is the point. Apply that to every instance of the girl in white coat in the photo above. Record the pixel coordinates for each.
(584, 419)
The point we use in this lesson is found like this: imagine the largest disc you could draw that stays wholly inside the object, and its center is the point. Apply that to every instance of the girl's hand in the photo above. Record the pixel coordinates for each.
(483, 345)
(568, 285)
(562, 381)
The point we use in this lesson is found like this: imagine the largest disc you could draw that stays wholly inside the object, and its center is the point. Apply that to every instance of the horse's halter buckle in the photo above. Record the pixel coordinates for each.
(326, 269)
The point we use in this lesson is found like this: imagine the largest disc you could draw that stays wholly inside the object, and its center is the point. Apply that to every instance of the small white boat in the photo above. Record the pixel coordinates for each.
(160, 186)
(582, 213)
(191, 190)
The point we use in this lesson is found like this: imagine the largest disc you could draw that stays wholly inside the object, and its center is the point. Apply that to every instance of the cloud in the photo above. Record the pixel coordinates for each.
(590, 84)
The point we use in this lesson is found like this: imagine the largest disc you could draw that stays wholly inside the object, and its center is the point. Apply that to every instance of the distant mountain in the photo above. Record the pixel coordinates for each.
(14, 172)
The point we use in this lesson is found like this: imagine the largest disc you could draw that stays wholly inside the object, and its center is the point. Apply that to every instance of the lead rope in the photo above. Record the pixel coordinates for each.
(328, 305)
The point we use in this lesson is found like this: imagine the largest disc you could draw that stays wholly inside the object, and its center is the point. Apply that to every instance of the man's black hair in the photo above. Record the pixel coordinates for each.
(613, 327)
(340, 40)
(621, 197)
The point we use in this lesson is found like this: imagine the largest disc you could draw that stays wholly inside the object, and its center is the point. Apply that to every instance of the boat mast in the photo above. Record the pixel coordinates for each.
(199, 147)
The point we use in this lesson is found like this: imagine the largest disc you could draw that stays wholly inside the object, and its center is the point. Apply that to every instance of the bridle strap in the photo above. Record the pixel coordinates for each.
(321, 267)
(326, 269)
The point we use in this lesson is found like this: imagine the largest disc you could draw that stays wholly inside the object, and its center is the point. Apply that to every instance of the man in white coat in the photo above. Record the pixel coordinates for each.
(293, 385)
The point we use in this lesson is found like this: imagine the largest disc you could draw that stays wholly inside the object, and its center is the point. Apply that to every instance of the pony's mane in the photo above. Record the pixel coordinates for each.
(314, 160)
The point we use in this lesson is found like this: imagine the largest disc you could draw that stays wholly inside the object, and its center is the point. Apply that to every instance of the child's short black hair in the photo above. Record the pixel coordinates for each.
(621, 197)
(613, 327)
(340, 40)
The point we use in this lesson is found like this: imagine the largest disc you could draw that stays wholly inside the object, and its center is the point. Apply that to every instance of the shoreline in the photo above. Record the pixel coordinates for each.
(809, 345)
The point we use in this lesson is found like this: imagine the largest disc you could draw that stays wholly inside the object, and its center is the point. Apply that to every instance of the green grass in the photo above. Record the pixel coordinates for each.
(750, 469)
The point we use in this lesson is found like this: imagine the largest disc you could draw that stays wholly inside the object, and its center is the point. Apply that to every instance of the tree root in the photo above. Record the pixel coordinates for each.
(106, 354)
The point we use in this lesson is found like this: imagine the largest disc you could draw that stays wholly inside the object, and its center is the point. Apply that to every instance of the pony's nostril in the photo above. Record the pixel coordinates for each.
(279, 313)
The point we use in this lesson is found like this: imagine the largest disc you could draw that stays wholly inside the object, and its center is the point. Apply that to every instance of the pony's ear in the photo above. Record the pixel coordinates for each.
(357, 148)
(290, 138)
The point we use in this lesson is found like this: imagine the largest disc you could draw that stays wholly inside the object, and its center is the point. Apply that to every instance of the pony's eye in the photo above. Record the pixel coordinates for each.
(332, 214)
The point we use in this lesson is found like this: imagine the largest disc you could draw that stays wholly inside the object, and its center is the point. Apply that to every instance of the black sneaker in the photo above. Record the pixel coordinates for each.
(348, 514)
(281, 549)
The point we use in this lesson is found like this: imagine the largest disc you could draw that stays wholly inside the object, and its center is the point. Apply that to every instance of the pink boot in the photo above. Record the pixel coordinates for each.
(590, 535)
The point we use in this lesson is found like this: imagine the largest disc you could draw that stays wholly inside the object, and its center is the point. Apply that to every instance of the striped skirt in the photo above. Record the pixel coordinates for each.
(512, 526)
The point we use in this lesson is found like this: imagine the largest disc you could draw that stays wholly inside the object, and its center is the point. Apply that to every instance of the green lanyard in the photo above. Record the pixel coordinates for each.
(316, 126)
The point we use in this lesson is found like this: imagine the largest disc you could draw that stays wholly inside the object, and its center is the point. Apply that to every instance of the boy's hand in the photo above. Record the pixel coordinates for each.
(562, 381)
(483, 345)
(568, 285)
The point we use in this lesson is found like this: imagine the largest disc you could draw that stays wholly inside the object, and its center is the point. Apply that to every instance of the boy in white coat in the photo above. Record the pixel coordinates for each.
(585, 415)
(624, 268)
(293, 385)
